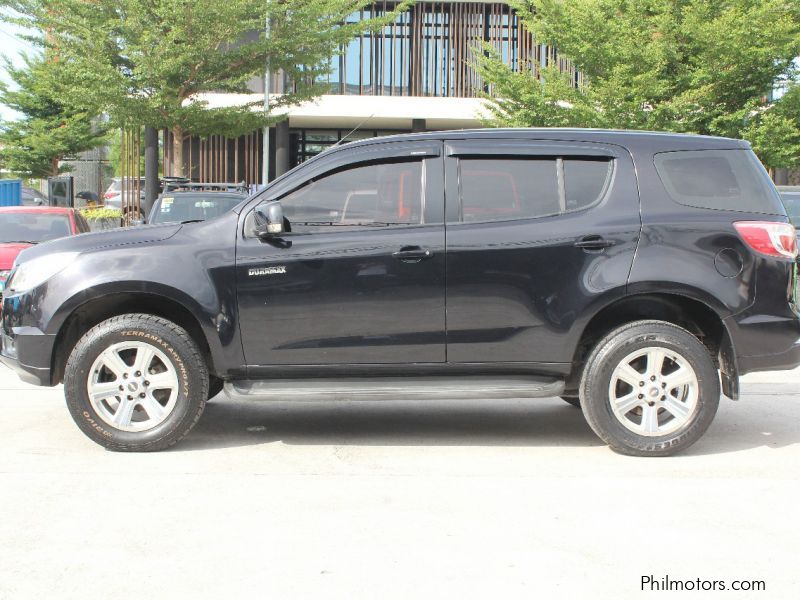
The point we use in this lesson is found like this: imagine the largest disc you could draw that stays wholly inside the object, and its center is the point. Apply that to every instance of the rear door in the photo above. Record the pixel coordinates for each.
(539, 234)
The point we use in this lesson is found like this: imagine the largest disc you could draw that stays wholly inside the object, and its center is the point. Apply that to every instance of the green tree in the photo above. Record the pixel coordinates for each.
(149, 62)
(48, 129)
(699, 66)
(774, 131)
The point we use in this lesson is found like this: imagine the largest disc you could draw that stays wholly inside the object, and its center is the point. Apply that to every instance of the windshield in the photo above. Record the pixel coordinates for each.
(193, 207)
(791, 200)
(30, 227)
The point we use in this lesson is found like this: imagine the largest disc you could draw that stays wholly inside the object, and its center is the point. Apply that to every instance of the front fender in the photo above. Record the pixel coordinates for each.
(194, 270)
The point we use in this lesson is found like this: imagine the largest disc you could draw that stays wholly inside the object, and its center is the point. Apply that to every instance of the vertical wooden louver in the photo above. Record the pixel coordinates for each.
(430, 50)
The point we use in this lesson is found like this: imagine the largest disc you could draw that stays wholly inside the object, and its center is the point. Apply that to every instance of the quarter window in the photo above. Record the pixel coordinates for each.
(510, 189)
(718, 179)
(375, 195)
(585, 181)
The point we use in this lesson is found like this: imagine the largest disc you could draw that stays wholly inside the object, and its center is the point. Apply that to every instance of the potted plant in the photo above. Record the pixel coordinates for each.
(102, 218)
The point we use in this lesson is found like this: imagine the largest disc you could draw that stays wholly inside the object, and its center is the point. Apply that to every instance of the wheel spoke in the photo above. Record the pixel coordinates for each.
(163, 381)
(152, 407)
(655, 362)
(649, 419)
(627, 403)
(679, 378)
(678, 409)
(144, 357)
(124, 413)
(102, 391)
(629, 375)
(113, 362)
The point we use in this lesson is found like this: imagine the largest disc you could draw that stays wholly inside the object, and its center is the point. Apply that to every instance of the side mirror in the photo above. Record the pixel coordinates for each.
(269, 219)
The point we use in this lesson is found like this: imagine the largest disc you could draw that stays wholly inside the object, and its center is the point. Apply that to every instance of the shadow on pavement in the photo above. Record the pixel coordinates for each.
(761, 419)
(539, 422)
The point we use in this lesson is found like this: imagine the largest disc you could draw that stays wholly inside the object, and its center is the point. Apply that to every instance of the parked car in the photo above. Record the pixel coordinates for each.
(790, 195)
(634, 274)
(195, 202)
(112, 198)
(22, 227)
(32, 197)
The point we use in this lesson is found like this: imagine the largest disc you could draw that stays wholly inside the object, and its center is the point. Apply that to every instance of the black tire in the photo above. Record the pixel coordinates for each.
(573, 400)
(610, 352)
(173, 343)
(215, 385)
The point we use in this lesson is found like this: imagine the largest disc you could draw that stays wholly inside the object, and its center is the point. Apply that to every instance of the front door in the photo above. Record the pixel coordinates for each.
(360, 278)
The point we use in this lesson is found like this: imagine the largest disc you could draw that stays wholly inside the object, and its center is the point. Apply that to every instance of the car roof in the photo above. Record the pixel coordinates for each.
(49, 210)
(613, 136)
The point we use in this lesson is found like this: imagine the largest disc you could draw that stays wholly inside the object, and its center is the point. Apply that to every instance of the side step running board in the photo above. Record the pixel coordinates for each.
(396, 388)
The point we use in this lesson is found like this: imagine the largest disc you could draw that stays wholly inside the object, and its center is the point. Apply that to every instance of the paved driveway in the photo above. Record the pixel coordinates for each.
(500, 500)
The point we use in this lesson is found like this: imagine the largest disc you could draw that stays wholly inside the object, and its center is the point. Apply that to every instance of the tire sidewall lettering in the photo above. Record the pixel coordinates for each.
(176, 359)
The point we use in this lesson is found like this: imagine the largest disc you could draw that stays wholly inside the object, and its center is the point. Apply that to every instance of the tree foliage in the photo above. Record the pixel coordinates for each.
(48, 129)
(700, 66)
(149, 62)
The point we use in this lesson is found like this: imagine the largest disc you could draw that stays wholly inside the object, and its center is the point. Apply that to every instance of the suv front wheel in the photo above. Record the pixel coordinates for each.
(650, 388)
(136, 383)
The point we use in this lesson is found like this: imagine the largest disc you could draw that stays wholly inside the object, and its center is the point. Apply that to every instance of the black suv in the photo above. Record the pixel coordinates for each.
(636, 275)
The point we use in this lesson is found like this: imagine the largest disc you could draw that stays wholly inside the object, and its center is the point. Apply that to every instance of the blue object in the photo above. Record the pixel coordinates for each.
(10, 192)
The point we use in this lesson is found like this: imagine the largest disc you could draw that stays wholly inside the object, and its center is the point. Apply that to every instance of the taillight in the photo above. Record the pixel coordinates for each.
(108, 195)
(770, 238)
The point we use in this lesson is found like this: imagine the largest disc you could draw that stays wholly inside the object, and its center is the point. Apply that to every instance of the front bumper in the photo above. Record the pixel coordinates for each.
(28, 354)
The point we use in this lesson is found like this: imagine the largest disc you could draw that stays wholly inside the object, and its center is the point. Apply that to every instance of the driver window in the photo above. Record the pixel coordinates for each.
(374, 195)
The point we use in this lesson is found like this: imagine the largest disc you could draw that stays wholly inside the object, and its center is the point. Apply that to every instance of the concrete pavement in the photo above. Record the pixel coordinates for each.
(509, 499)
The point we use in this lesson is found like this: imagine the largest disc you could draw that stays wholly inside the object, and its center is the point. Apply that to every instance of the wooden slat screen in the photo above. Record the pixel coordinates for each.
(430, 50)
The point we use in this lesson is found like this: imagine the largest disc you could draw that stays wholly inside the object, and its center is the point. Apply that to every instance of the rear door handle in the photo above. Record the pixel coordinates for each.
(594, 243)
(412, 254)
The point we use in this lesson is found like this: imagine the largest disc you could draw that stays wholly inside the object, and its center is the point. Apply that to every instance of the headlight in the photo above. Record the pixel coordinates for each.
(34, 273)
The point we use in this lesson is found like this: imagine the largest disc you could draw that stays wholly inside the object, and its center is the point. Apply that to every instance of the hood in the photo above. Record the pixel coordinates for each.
(9, 252)
(103, 239)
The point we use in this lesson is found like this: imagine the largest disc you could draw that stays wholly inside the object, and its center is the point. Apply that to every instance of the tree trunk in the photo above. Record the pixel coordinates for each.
(54, 167)
(177, 151)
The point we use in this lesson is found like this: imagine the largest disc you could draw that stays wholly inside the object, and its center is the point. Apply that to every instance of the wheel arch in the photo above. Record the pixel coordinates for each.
(95, 309)
(694, 315)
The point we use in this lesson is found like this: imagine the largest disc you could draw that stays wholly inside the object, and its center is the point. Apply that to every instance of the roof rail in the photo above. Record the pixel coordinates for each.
(186, 184)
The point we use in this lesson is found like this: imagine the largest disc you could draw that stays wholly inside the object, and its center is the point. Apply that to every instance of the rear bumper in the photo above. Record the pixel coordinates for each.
(784, 361)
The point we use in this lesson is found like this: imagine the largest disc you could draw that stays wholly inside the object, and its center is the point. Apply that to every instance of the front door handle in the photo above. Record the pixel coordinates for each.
(593, 243)
(412, 254)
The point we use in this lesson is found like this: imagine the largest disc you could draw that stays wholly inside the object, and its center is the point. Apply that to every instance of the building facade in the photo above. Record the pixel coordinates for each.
(415, 74)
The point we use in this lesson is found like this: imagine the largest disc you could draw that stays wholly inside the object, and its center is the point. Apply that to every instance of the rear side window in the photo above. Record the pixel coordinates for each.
(718, 179)
(508, 189)
(504, 189)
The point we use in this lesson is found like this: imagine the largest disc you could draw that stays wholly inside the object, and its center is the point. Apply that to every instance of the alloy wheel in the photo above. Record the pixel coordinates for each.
(133, 386)
(654, 391)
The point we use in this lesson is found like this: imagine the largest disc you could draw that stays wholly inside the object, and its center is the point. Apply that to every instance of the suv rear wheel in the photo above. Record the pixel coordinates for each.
(650, 388)
(136, 383)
